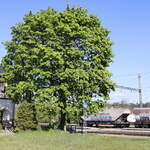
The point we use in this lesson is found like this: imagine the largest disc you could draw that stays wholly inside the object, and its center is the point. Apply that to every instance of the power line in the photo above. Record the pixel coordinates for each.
(127, 88)
(130, 75)
(124, 75)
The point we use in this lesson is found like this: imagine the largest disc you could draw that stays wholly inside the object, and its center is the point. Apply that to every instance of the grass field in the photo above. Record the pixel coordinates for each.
(57, 140)
(2, 131)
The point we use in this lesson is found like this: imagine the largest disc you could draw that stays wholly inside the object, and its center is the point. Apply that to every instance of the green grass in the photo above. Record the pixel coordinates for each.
(57, 140)
(2, 131)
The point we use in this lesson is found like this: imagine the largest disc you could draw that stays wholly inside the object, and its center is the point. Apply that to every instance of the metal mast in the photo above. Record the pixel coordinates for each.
(140, 90)
(68, 6)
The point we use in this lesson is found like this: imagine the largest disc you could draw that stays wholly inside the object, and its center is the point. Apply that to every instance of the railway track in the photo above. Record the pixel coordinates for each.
(121, 132)
(114, 131)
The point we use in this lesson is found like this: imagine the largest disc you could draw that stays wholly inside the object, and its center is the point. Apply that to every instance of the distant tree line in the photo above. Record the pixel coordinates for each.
(127, 105)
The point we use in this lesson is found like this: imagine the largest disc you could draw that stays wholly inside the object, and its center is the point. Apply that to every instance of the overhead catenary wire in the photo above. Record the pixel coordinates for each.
(139, 89)
(131, 80)
(130, 75)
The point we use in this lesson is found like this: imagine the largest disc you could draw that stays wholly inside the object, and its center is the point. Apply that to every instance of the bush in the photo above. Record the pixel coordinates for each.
(26, 116)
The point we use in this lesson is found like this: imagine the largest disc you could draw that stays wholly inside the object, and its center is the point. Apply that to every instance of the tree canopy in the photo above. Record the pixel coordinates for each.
(60, 58)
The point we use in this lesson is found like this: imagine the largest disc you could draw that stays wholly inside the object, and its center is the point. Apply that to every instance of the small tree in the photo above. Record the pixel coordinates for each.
(26, 116)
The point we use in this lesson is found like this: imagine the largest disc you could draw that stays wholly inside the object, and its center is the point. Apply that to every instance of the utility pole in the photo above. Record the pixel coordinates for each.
(140, 90)
(67, 2)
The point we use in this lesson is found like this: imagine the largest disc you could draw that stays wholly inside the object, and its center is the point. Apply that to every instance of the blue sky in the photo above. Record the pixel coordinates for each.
(129, 21)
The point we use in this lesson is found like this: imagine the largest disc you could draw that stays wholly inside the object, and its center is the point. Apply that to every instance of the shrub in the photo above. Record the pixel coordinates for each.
(26, 116)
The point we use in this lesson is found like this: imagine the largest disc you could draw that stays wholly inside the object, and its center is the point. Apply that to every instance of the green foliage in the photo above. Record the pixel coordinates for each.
(59, 58)
(46, 111)
(73, 113)
(26, 116)
(95, 106)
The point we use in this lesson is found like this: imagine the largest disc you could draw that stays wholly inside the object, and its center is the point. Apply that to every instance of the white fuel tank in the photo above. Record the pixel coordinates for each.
(131, 118)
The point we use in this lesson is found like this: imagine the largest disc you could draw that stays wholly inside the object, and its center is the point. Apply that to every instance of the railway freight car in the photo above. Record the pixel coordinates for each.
(141, 117)
(113, 116)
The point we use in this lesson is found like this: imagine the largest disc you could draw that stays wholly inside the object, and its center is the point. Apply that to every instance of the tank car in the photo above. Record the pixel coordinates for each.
(142, 117)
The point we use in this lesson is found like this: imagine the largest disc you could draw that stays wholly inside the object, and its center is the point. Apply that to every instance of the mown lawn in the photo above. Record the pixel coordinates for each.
(2, 131)
(57, 140)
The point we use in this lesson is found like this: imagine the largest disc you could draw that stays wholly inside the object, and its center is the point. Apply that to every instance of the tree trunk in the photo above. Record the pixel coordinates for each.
(62, 120)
